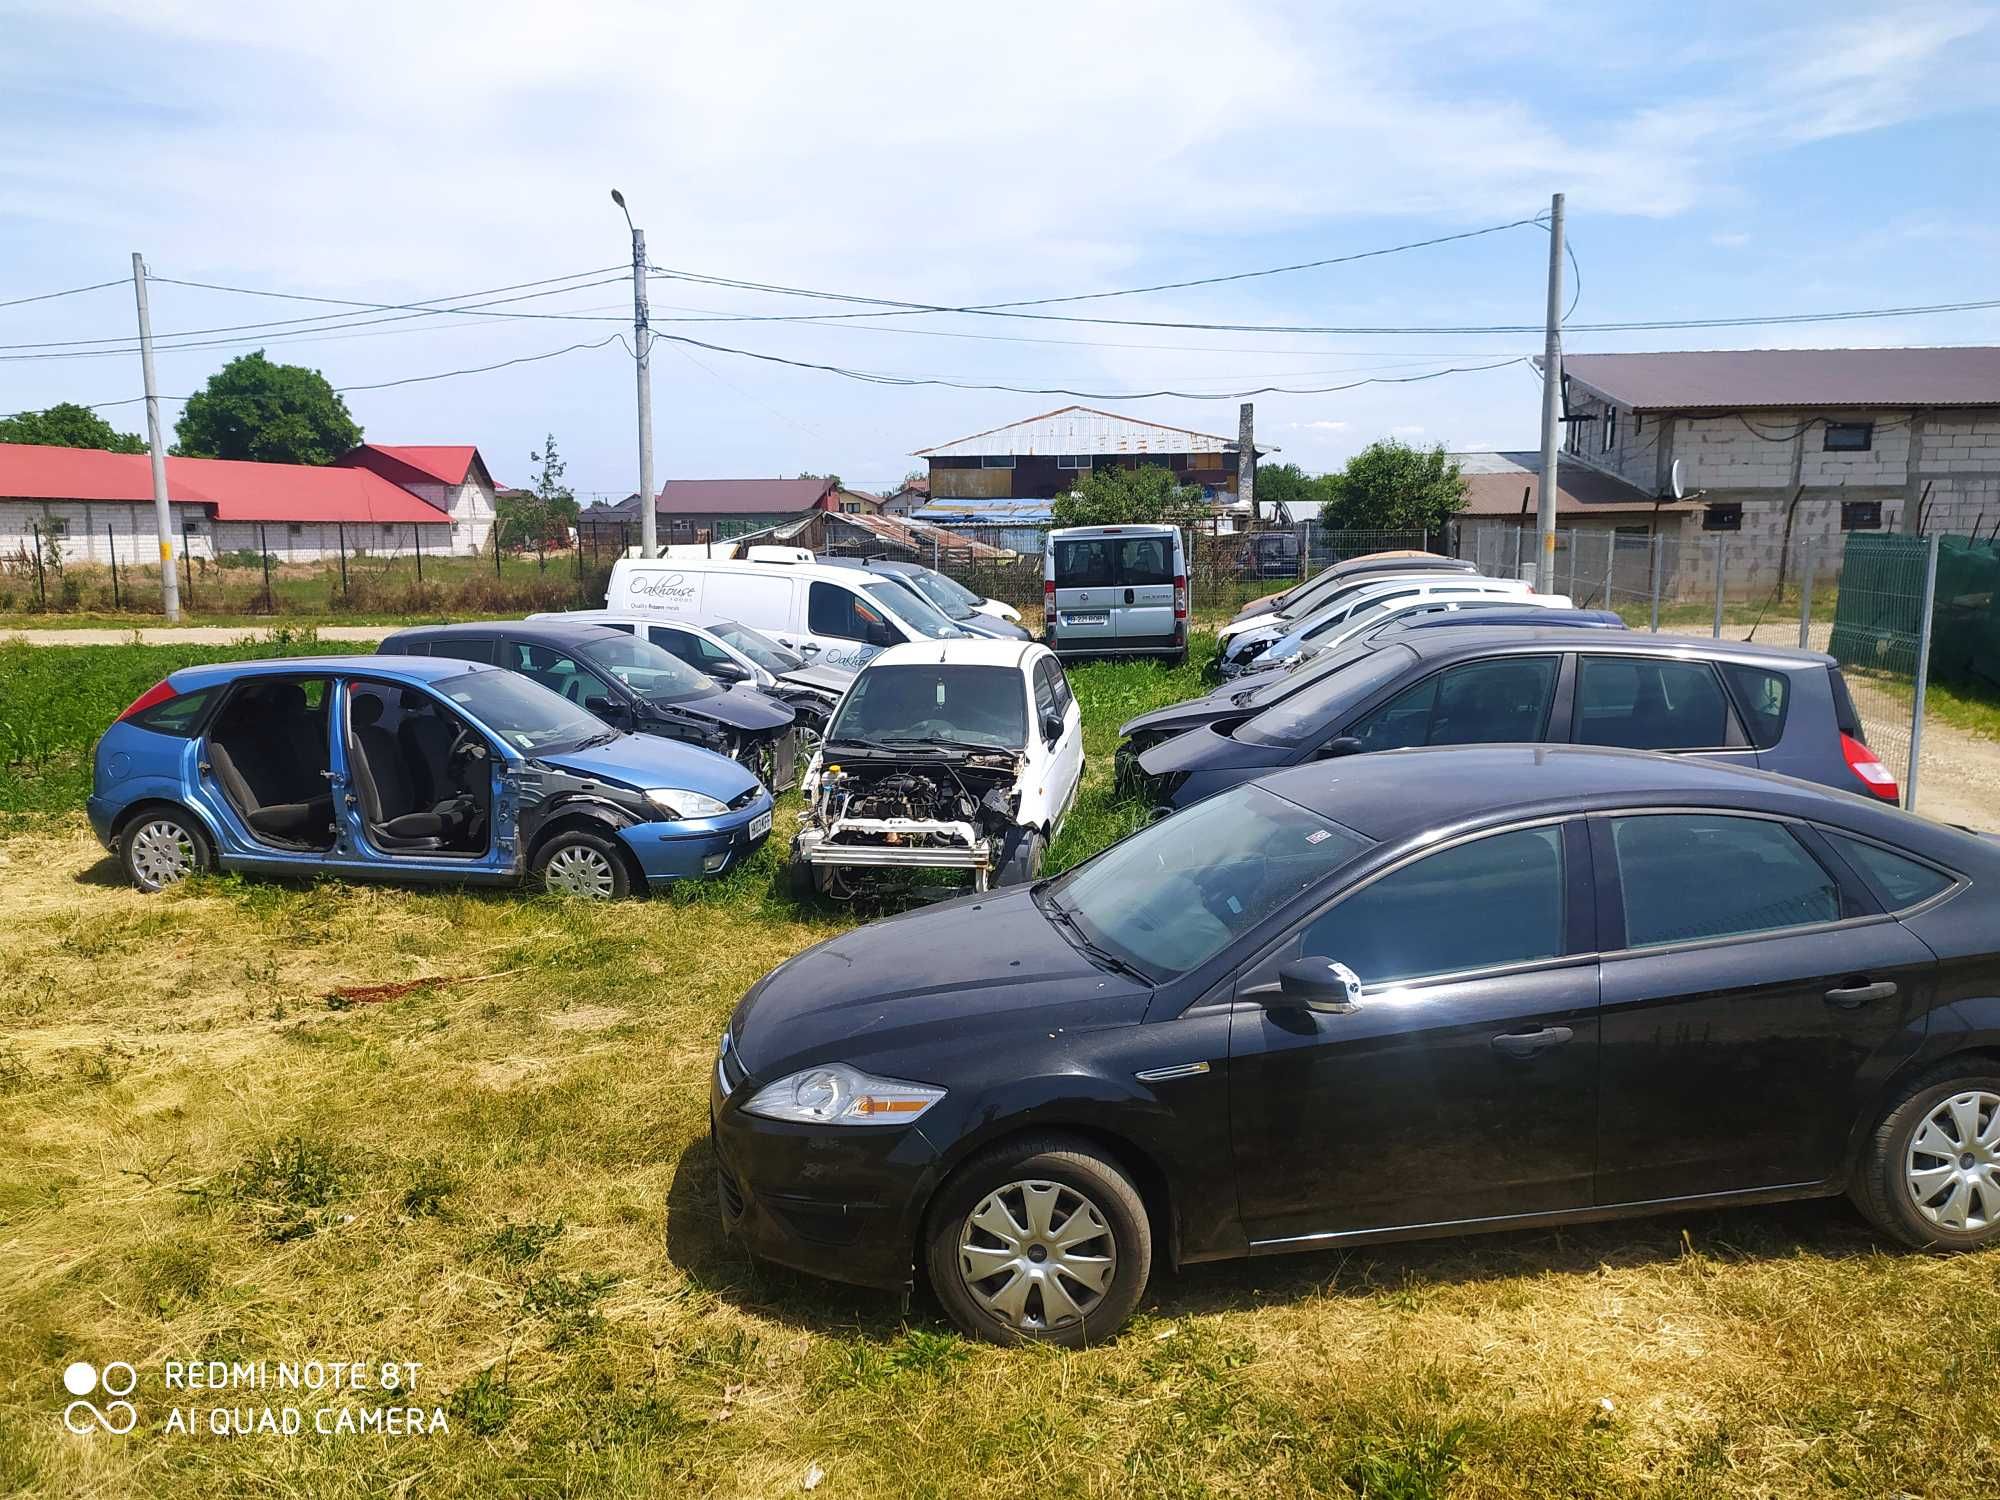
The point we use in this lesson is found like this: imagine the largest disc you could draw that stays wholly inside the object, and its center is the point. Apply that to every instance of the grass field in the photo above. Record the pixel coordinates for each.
(212, 1148)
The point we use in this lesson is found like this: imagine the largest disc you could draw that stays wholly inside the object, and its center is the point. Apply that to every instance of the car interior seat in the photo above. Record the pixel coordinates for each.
(264, 756)
(384, 782)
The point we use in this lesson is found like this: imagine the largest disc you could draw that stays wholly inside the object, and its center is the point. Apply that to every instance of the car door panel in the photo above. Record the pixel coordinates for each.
(1087, 599)
(1741, 1061)
(1145, 585)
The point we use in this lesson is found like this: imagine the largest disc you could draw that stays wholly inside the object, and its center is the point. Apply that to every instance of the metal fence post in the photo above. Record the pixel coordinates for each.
(417, 536)
(1721, 571)
(1805, 593)
(264, 552)
(187, 567)
(41, 583)
(1659, 571)
(1923, 669)
(1610, 566)
(111, 536)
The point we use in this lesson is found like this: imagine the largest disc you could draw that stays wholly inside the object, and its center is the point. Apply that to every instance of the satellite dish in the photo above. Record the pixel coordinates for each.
(1674, 481)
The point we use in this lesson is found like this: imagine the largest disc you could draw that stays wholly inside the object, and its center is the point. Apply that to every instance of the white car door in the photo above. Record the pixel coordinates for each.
(1057, 769)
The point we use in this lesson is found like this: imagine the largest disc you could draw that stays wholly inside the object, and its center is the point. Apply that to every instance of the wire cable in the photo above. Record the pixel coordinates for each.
(95, 286)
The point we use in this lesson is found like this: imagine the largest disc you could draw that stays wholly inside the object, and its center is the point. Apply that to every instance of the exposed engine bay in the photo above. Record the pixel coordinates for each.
(870, 814)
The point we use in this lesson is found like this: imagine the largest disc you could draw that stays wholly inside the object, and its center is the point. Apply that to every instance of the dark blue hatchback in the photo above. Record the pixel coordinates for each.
(409, 768)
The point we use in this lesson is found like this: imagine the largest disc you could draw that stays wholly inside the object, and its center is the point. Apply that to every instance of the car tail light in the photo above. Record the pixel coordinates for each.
(159, 692)
(1049, 601)
(1871, 772)
(1180, 596)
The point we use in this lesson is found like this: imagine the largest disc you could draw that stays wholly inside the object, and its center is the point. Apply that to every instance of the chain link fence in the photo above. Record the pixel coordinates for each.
(1866, 598)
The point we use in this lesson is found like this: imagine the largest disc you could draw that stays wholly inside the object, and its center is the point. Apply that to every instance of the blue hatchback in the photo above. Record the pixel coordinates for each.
(409, 768)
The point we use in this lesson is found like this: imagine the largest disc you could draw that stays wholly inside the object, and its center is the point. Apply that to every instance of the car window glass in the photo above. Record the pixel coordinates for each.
(1764, 696)
(839, 612)
(645, 668)
(1083, 564)
(1144, 560)
(1309, 714)
(177, 715)
(917, 704)
(623, 625)
(1045, 692)
(1503, 894)
(1485, 702)
(1060, 680)
(1688, 876)
(759, 647)
(1645, 704)
(1897, 880)
(464, 648)
(557, 671)
(1179, 891)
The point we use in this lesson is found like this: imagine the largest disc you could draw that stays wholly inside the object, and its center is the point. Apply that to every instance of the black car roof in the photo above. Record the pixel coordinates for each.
(1444, 641)
(549, 632)
(1395, 794)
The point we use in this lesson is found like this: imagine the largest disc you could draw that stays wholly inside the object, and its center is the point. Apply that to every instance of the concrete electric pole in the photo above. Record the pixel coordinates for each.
(649, 524)
(1545, 509)
(170, 581)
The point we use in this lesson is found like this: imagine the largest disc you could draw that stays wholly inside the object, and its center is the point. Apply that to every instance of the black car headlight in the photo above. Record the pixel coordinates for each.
(835, 1094)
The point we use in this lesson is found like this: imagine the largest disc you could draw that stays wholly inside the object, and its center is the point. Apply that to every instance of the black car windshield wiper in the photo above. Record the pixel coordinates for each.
(946, 742)
(591, 741)
(1098, 954)
(861, 741)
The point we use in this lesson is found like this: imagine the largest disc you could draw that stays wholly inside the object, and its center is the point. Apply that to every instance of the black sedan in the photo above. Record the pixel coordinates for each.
(629, 684)
(1428, 992)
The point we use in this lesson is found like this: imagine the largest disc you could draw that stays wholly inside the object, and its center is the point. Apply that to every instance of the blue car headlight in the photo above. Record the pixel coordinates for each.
(835, 1094)
(680, 804)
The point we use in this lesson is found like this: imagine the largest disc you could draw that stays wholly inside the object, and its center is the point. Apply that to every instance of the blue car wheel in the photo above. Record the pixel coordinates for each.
(162, 847)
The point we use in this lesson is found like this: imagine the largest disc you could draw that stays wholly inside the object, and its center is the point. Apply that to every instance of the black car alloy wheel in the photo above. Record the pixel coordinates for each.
(1931, 1173)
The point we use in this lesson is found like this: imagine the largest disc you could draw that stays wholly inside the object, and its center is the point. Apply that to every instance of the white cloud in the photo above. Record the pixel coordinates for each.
(1318, 426)
(1408, 429)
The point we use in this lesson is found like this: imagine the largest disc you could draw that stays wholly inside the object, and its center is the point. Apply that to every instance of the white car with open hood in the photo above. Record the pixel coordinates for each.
(943, 755)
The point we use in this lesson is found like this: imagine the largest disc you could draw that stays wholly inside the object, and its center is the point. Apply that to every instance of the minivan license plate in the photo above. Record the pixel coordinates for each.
(1086, 617)
(760, 825)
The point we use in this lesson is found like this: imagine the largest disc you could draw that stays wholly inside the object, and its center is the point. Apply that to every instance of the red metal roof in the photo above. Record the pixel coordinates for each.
(744, 496)
(237, 491)
(448, 464)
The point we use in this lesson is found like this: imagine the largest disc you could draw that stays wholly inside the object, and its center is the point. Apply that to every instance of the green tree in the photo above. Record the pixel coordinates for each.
(833, 479)
(1390, 486)
(1288, 485)
(1116, 496)
(67, 425)
(541, 516)
(281, 414)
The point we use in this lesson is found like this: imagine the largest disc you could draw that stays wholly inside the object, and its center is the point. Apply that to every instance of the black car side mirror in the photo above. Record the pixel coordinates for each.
(1320, 984)
(600, 706)
(1339, 745)
(1052, 728)
(728, 671)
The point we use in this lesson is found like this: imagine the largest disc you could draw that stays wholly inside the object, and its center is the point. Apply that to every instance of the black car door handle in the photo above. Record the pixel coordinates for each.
(1860, 994)
(1528, 1043)
(1129, 596)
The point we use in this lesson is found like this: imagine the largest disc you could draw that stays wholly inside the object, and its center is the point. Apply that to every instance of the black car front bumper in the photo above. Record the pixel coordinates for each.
(839, 1201)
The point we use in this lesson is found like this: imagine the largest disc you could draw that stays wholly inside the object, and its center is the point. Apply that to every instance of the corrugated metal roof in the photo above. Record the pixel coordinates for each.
(1083, 429)
(447, 464)
(995, 510)
(1495, 482)
(742, 496)
(239, 491)
(1731, 379)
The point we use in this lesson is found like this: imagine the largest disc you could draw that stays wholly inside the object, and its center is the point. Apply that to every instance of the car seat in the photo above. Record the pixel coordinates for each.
(262, 755)
(397, 816)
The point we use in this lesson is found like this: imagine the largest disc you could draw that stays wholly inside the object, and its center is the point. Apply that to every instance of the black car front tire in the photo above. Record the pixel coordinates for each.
(1042, 1240)
(1916, 1160)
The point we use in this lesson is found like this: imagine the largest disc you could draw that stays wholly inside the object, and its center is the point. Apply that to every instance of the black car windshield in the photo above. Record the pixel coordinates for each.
(522, 712)
(1179, 891)
(914, 703)
(912, 609)
(653, 674)
(759, 647)
(1281, 685)
(938, 589)
(1307, 714)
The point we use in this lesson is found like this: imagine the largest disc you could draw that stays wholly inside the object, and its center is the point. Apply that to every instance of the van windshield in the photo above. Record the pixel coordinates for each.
(913, 609)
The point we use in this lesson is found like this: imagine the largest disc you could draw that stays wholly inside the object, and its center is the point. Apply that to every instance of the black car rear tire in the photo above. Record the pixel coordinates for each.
(162, 846)
(586, 865)
(1021, 856)
(1079, 1221)
(1915, 1159)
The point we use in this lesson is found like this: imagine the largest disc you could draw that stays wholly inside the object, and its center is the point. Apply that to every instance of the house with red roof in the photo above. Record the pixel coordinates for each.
(94, 505)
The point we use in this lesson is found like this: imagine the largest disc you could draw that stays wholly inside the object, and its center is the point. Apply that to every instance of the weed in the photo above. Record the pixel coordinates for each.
(430, 1184)
(929, 1351)
(483, 1403)
(1412, 1465)
(567, 1303)
(15, 1075)
(517, 1244)
(175, 1273)
(289, 1186)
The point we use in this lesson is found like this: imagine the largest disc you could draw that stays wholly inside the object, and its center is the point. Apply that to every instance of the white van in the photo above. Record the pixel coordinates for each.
(1116, 590)
(836, 617)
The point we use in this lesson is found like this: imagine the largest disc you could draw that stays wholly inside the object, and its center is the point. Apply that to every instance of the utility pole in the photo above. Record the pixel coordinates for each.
(649, 535)
(170, 581)
(1545, 508)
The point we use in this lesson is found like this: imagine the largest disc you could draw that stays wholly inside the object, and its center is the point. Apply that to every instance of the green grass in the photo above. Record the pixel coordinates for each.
(502, 1176)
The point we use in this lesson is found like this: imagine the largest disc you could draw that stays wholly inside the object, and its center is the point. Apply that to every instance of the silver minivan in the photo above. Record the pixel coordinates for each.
(1116, 590)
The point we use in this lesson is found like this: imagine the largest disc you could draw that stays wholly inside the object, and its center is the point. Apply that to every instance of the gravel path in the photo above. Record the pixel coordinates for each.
(191, 635)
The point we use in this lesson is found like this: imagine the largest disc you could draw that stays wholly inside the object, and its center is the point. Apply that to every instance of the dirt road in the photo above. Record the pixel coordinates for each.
(189, 635)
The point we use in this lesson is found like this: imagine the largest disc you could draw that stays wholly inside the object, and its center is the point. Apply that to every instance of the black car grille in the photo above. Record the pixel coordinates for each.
(744, 799)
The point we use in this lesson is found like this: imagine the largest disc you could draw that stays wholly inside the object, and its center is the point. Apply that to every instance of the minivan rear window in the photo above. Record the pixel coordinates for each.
(1764, 696)
(1084, 564)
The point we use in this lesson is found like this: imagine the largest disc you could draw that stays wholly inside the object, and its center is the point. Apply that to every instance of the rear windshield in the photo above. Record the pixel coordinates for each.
(1101, 561)
(1306, 715)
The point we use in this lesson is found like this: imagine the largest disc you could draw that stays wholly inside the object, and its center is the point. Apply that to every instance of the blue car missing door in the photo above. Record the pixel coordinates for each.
(409, 768)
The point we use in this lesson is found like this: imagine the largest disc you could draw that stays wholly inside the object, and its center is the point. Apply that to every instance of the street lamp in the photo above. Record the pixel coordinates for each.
(649, 537)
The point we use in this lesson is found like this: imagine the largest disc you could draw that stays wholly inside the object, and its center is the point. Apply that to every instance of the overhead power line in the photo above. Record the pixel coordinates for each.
(95, 286)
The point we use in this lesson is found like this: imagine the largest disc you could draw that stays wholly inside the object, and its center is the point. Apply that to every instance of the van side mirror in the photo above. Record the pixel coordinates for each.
(1339, 745)
(1321, 985)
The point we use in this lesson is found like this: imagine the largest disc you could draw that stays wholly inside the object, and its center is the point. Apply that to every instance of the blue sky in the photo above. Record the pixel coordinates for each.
(1739, 160)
